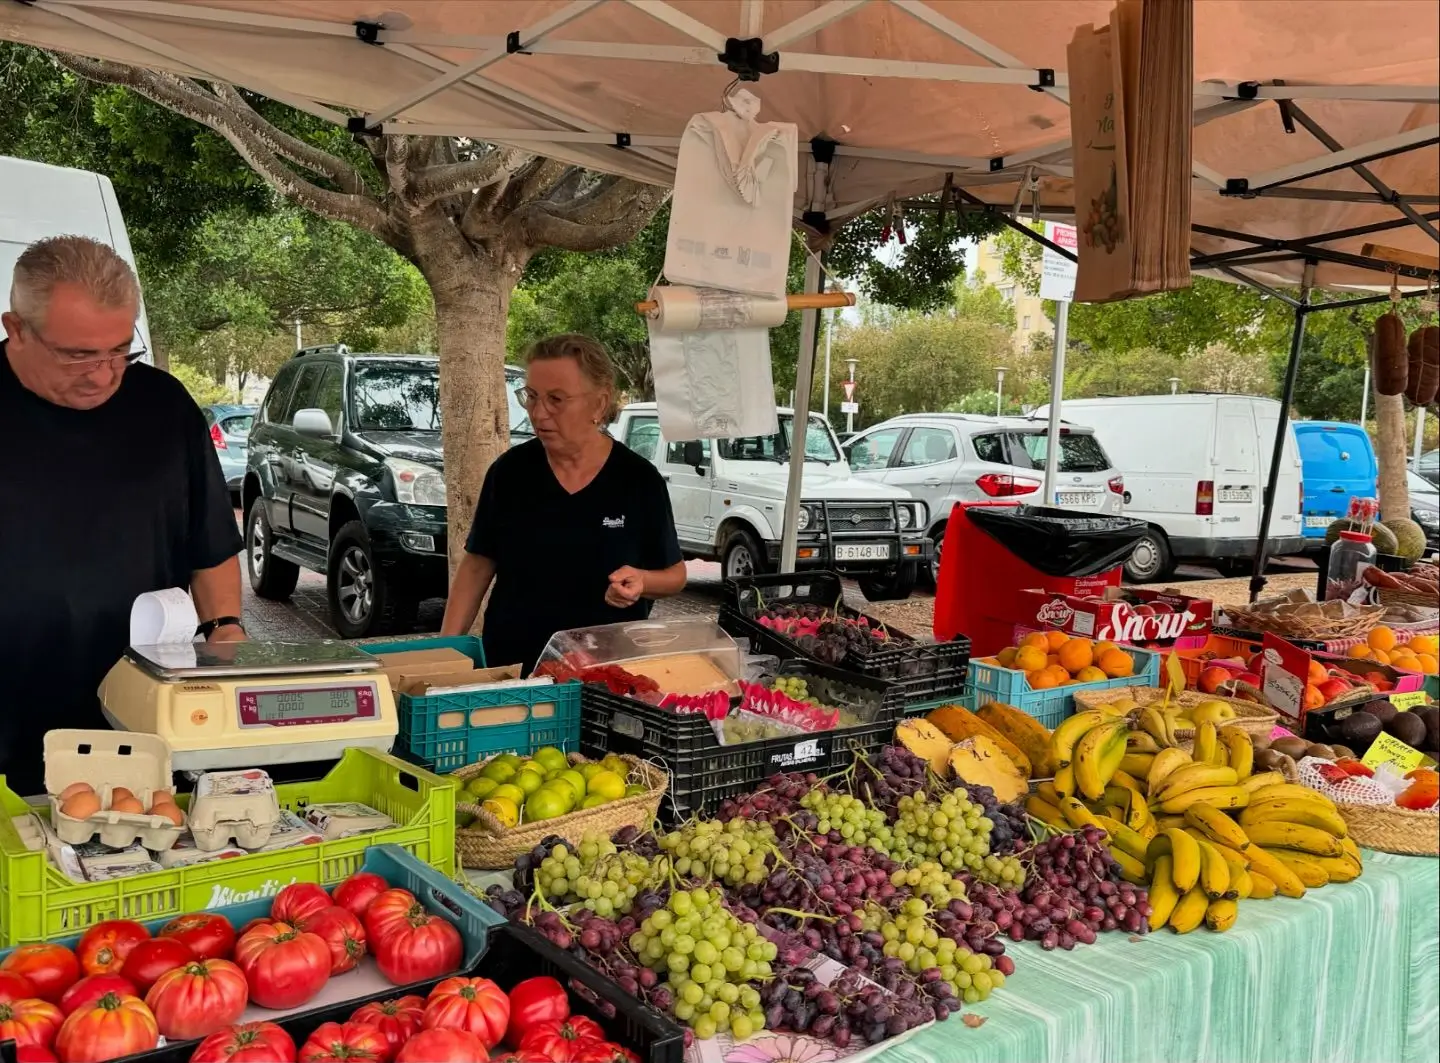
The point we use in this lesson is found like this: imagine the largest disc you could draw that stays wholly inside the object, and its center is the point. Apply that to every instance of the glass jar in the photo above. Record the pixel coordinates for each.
(1351, 555)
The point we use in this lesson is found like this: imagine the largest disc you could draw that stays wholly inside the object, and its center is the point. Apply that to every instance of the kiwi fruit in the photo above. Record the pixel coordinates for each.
(1294, 748)
(1270, 760)
(1360, 728)
(1342, 751)
(1321, 750)
(1260, 743)
(1382, 710)
(1409, 728)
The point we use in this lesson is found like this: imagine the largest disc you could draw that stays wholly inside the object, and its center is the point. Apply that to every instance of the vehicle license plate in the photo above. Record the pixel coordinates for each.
(1076, 498)
(1319, 522)
(862, 552)
(1234, 494)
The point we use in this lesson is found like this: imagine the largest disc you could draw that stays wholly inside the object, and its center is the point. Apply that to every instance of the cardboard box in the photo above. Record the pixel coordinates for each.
(419, 685)
(422, 657)
(1119, 614)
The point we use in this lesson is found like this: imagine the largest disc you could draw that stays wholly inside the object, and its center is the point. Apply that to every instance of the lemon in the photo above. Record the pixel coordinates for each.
(503, 809)
(535, 766)
(594, 801)
(576, 780)
(529, 781)
(499, 770)
(509, 758)
(552, 758)
(634, 790)
(510, 792)
(615, 764)
(562, 790)
(590, 770)
(545, 804)
(606, 784)
(480, 787)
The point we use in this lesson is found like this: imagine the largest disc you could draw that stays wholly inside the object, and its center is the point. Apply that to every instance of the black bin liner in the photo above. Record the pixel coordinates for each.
(1061, 542)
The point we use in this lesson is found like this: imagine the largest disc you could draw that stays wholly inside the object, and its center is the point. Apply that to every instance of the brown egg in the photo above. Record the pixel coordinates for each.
(170, 811)
(81, 806)
(127, 804)
(161, 796)
(120, 793)
(76, 788)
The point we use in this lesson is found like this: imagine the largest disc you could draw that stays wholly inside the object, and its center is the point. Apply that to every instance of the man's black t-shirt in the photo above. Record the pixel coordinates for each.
(99, 506)
(554, 551)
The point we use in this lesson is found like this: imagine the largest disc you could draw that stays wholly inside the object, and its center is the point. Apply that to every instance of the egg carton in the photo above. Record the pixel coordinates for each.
(238, 807)
(138, 762)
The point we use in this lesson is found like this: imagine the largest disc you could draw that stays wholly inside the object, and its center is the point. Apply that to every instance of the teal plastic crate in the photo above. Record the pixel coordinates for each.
(448, 731)
(969, 700)
(989, 682)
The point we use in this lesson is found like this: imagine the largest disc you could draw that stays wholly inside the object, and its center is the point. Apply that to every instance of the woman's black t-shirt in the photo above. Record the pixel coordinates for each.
(554, 551)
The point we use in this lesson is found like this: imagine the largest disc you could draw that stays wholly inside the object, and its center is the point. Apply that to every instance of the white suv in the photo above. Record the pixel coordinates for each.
(944, 458)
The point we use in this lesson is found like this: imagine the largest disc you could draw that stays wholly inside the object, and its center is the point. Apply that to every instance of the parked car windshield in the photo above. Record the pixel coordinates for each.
(819, 444)
(396, 397)
(1078, 453)
(519, 419)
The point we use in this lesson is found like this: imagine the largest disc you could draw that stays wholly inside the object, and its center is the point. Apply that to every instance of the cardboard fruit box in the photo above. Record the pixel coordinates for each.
(1130, 615)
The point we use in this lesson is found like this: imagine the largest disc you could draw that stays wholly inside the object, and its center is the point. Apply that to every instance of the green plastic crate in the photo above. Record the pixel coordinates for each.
(38, 903)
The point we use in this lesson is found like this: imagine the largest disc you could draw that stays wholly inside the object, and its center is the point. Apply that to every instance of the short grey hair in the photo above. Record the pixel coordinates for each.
(88, 264)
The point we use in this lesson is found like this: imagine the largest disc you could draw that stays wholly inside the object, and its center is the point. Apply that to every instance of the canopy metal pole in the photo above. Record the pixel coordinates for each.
(1365, 393)
(1057, 392)
(1282, 426)
(804, 378)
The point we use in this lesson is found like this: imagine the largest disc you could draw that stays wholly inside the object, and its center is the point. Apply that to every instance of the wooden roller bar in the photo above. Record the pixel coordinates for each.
(814, 301)
(1402, 257)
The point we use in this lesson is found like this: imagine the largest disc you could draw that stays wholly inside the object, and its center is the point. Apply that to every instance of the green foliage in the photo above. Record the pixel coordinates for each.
(202, 387)
(984, 402)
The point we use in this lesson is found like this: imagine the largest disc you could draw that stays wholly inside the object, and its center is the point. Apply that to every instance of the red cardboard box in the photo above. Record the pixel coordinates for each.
(1117, 614)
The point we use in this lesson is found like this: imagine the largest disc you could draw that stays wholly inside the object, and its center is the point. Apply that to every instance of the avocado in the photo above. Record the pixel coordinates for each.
(1382, 710)
(1431, 717)
(1360, 728)
(1409, 728)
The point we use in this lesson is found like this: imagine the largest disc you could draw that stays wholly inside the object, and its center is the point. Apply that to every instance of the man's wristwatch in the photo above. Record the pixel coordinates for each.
(209, 627)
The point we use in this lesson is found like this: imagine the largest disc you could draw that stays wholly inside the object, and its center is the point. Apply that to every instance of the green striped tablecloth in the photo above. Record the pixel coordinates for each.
(1347, 973)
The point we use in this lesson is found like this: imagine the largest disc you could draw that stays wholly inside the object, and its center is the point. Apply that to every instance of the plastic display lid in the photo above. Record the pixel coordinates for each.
(642, 640)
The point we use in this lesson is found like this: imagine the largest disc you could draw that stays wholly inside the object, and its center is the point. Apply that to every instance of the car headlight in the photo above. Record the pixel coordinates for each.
(802, 518)
(417, 484)
(907, 516)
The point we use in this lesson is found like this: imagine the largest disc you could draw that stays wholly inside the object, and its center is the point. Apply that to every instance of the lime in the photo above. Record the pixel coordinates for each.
(529, 781)
(593, 801)
(590, 770)
(576, 780)
(480, 787)
(498, 770)
(606, 784)
(634, 790)
(545, 804)
(535, 766)
(464, 819)
(509, 792)
(563, 790)
(552, 758)
(503, 809)
(508, 758)
(615, 764)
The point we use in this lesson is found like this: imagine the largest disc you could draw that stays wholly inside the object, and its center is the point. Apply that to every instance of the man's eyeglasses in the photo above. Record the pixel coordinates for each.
(86, 361)
(529, 398)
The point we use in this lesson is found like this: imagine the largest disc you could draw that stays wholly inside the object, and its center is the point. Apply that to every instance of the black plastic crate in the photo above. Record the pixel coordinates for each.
(514, 953)
(703, 773)
(924, 671)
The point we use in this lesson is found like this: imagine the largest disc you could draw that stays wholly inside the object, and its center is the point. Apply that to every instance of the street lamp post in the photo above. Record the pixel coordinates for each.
(1174, 383)
(850, 417)
(1000, 371)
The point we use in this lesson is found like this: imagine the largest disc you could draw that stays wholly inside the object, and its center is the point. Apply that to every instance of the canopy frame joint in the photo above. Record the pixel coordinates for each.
(512, 44)
(369, 32)
(747, 59)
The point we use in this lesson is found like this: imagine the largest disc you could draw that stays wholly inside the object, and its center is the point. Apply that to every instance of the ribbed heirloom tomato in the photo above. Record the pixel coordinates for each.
(443, 1046)
(334, 1041)
(298, 901)
(30, 1022)
(398, 1019)
(284, 966)
(357, 891)
(50, 969)
(246, 1042)
(92, 987)
(198, 998)
(112, 1027)
(561, 1042)
(103, 948)
(14, 987)
(474, 1004)
(343, 933)
(209, 936)
(386, 910)
(150, 959)
(413, 945)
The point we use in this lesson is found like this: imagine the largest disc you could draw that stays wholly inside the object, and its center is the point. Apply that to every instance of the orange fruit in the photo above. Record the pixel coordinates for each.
(1090, 675)
(1053, 660)
(1057, 639)
(1426, 644)
(1429, 664)
(1116, 663)
(1361, 651)
(1038, 640)
(1313, 698)
(1381, 638)
(1006, 657)
(1076, 655)
(1029, 659)
(1041, 679)
(1102, 648)
(1381, 657)
(1061, 675)
(1405, 662)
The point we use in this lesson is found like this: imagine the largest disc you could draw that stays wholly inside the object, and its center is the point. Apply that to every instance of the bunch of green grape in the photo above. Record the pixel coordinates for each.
(954, 832)
(793, 686)
(857, 822)
(930, 881)
(913, 937)
(733, 853)
(709, 959)
(738, 731)
(595, 875)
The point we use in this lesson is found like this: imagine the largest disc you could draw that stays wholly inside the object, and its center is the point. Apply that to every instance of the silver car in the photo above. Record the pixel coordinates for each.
(230, 432)
(944, 458)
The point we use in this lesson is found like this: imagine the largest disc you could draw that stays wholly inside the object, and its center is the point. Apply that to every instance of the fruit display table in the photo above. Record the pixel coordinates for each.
(1347, 972)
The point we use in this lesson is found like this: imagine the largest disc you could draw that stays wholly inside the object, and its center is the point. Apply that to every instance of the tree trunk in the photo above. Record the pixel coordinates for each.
(1390, 456)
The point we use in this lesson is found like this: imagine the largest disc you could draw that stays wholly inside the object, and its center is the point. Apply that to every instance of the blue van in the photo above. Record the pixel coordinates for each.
(1338, 464)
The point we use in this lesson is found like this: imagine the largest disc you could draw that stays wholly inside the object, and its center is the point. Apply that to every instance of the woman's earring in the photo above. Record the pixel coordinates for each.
(594, 420)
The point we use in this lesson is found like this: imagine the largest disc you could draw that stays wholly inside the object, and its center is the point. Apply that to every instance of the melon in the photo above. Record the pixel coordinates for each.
(980, 761)
(1380, 535)
(1409, 538)
(927, 742)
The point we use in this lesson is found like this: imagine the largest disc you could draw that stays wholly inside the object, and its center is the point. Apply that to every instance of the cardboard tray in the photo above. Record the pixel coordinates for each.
(139, 762)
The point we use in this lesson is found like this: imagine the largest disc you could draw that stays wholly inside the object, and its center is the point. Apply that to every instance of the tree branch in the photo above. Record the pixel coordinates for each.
(441, 182)
(534, 180)
(314, 159)
(186, 98)
(615, 217)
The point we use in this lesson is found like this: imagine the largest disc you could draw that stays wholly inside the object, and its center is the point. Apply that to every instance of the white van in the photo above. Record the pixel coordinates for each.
(1195, 468)
(37, 201)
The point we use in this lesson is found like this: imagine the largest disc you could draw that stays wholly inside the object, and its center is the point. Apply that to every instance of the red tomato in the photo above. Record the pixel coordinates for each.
(50, 969)
(14, 987)
(416, 947)
(246, 1042)
(351, 1040)
(532, 1001)
(30, 1022)
(559, 1042)
(604, 1052)
(586, 1029)
(103, 948)
(92, 987)
(398, 1019)
(34, 1054)
(298, 901)
(150, 959)
(113, 1026)
(443, 1046)
(474, 1004)
(357, 891)
(386, 911)
(284, 966)
(197, 999)
(343, 933)
(210, 936)
(263, 920)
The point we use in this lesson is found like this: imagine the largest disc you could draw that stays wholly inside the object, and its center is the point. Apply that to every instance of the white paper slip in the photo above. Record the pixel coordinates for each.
(161, 617)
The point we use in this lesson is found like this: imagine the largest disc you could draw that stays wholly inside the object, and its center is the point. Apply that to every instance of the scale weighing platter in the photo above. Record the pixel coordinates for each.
(248, 704)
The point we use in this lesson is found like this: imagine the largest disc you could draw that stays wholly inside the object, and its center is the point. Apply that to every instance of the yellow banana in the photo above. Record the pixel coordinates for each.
(1141, 742)
(1138, 818)
(1215, 796)
(1165, 821)
(1340, 868)
(1265, 865)
(1239, 750)
(1352, 849)
(1220, 915)
(1112, 811)
(1291, 810)
(1291, 789)
(1046, 790)
(1151, 723)
(1204, 743)
(1046, 812)
(1303, 866)
(1098, 755)
(1189, 911)
(1265, 778)
(1121, 777)
(1122, 837)
(1184, 853)
(1214, 872)
(1195, 775)
(1261, 888)
(1131, 870)
(1120, 796)
(1162, 893)
(1216, 825)
(1240, 882)
(1137, 764)
(1064, 782)
(1282, 835)
(1064, 738)
(1077, 814)
(1166, 762)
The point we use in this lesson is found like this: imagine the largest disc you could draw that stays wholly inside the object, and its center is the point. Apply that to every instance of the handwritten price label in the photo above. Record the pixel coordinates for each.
(1387, 749)
(1413, 699)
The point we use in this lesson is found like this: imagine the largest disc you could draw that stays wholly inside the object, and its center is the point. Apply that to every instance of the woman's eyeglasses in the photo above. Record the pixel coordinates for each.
(529, 398)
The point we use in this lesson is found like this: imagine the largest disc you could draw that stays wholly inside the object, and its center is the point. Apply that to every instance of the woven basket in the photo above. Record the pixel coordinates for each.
(1393, 597)
(1318, 628)
(1254, 719)
(489, 845)
(1393, 830)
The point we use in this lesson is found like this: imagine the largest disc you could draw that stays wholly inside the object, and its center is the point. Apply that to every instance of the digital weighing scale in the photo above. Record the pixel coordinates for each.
(247, 704)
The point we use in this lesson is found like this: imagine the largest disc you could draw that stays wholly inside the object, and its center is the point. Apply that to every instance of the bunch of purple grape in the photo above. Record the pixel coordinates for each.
(833, 879)
(897, 773)
(526, 863)
(1010, 828)
(1073, 892)
(632, 839)
(777, 803)
(850, 1008)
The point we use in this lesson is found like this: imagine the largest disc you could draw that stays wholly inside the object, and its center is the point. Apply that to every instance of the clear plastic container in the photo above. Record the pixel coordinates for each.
(683, 656)
(1351, 555)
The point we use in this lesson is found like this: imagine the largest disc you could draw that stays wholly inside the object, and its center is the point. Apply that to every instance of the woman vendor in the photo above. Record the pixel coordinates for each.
(572, 528)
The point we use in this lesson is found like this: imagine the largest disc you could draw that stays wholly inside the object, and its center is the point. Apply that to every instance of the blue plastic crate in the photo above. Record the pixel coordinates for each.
(448, 731)
(989, 682)
(969, 700)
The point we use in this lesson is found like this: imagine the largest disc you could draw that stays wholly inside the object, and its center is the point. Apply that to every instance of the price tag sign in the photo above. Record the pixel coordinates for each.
(1414, 699)
(1284, 673)
(1387, 749)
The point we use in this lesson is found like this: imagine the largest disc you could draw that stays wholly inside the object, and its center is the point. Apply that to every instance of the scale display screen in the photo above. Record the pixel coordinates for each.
(294, 706)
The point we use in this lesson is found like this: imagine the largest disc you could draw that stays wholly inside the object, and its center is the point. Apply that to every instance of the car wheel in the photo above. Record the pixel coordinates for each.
(890, 586)
(930, 574)
(363, 600)
(742, 556)
(270, 576)
(1150, 560)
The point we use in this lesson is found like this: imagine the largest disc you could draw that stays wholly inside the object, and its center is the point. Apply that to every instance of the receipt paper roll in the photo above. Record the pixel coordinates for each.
(685, 309)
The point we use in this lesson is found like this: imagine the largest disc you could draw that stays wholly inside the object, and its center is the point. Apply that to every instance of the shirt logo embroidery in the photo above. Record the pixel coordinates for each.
(612, 522)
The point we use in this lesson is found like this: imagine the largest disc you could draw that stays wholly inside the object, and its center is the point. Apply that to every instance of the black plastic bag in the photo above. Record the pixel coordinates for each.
(1060, 542)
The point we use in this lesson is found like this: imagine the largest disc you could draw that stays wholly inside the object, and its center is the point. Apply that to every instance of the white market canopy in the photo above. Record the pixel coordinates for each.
(1316, 124)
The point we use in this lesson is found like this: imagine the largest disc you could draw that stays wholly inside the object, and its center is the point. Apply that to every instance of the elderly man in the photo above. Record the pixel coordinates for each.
(109, 487)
